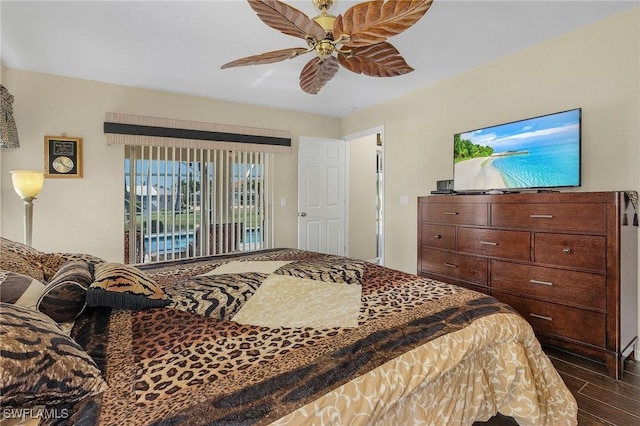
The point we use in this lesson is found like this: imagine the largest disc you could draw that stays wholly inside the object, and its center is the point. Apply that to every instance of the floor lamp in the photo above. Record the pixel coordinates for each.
(28, 184)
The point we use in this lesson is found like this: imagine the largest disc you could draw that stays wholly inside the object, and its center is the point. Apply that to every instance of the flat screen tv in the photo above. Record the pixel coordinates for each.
(536, 153)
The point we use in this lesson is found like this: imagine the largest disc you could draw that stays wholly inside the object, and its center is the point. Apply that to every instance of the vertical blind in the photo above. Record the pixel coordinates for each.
(189, 202)
(195, 188)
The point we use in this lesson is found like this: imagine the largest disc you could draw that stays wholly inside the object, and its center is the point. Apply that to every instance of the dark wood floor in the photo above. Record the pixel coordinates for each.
(601, 399)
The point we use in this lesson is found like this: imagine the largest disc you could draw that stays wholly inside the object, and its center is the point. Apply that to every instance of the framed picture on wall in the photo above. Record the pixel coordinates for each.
(62, 157)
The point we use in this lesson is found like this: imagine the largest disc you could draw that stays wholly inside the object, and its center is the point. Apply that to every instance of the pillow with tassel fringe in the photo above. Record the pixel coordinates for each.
(122, 286)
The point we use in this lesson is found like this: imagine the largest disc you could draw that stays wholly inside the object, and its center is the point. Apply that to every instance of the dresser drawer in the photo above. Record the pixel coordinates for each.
(579, 251)
(453, 265)
(555, 285)
(455, 213)
(588, 217)
(439, 236)
(495, 243)
(556, 320)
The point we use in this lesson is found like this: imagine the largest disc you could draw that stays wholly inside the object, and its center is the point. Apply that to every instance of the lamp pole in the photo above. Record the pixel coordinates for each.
(28, 219)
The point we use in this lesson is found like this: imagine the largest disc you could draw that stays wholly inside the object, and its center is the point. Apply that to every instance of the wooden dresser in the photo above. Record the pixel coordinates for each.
(566, 261)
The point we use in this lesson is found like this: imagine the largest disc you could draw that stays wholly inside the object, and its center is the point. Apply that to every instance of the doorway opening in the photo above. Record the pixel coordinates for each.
(365, 194)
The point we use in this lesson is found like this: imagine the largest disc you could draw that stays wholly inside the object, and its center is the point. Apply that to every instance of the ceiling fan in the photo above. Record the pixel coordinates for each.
(356, 39)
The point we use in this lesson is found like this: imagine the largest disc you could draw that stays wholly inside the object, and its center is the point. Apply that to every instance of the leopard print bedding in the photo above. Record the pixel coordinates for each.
(188, 363)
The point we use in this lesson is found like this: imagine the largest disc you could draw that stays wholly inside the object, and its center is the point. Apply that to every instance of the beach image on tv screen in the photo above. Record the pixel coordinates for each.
(539, 152)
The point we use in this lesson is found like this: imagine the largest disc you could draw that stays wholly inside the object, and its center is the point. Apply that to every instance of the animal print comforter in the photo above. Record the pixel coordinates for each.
(292, 337)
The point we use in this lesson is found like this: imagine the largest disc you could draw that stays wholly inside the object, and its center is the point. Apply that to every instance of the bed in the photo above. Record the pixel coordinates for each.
(279, 336)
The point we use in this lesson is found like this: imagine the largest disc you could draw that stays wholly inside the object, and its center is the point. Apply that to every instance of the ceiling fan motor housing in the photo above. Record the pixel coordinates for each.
(326, 22)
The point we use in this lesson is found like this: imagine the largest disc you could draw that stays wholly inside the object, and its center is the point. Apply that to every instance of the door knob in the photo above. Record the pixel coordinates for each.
(302, 214)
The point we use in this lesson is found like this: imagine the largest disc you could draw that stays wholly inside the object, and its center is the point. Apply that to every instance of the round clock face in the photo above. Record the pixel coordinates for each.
(63, 164)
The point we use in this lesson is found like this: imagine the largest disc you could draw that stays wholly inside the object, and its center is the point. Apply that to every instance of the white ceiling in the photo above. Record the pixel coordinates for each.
(179, 46)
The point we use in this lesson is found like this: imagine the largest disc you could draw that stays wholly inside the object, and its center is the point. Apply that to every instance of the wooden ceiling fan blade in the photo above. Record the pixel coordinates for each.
(287, 19)
(267, 58)
(374, 21)
(379, 60)
(316, 73)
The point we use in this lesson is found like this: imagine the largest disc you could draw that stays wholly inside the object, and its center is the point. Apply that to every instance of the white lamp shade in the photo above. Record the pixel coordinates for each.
(27, 183)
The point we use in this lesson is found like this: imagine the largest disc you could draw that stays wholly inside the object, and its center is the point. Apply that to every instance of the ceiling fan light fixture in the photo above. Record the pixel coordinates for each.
(324, 49)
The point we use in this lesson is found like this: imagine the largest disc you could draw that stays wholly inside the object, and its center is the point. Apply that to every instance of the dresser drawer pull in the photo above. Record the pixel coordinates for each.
(541, 216)
(450, 265)
(487, 243)
(566, 250)
(541, 317)
(450, 213)
(437, 236)
(541, 282)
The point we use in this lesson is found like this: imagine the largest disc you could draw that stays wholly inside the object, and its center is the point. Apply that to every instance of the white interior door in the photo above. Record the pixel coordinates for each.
(322, 195)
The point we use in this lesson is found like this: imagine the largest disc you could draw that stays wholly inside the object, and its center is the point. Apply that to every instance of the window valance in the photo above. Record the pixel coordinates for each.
(138, 130)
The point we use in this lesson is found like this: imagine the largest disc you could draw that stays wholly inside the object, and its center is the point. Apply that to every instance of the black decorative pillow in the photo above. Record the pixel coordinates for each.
(124, 287)
(39, 365)
(64, 298)
(20, 289)
(52, 262)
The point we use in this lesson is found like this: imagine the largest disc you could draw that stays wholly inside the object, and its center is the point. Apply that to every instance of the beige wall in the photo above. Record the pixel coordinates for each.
(596, 68)
(86, 215)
